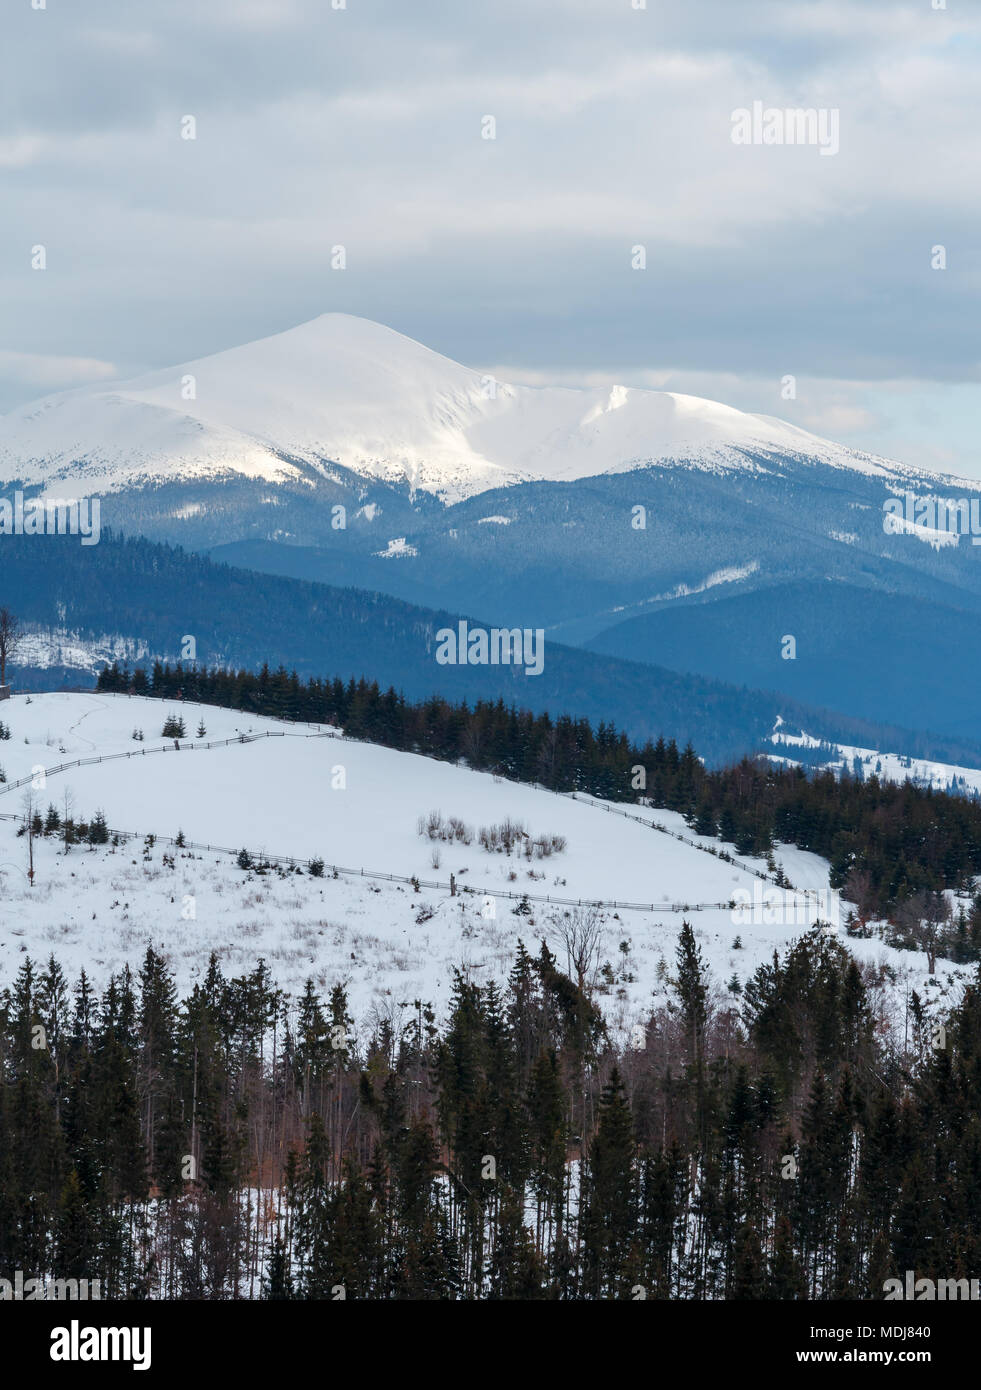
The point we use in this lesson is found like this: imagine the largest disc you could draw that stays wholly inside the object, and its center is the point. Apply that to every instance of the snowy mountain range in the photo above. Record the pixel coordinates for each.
(343, 390)
(653, 528)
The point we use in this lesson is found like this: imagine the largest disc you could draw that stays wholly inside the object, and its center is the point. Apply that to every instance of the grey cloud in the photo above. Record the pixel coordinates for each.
(361, 127)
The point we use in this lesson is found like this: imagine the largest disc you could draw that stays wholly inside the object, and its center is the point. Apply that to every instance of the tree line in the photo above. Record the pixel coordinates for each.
(236, 1143)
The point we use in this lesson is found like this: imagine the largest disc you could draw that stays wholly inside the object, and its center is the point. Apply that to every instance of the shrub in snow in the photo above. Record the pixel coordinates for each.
(511, 836)
(434, 827)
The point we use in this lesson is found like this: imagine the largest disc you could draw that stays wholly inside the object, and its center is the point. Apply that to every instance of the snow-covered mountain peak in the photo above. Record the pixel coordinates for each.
(347, 390)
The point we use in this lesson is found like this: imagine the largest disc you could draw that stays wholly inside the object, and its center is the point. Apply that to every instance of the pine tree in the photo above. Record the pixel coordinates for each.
(277, 1284)
(692, 988)
(749, 1272)
(787, 1279)
(610, 1191)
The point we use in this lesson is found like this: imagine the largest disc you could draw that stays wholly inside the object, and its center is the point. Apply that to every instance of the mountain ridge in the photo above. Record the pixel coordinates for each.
(343, 390)
(242, 618)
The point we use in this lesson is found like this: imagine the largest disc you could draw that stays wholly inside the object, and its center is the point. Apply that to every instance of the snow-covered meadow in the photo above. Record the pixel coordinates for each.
(309, 793)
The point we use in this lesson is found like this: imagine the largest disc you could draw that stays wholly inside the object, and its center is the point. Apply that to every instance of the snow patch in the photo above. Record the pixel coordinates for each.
(399, 548)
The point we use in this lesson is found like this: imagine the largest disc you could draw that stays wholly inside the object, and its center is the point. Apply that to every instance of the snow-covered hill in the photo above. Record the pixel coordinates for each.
(307, 792)
(872, 762)
(345, 390)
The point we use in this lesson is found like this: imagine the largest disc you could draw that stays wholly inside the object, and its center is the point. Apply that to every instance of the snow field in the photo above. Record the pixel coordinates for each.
(311, 793)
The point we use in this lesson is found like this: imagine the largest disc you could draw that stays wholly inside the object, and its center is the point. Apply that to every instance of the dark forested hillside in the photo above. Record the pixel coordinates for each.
(852, 649)
(156, 594)
(235, 1142)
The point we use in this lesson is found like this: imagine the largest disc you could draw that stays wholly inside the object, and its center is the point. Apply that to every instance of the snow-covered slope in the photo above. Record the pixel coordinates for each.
(872, 762)
(345, 390)
(40, 649)
(309, 792)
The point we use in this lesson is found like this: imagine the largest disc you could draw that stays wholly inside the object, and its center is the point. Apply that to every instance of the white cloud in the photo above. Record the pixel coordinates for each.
(47, 373)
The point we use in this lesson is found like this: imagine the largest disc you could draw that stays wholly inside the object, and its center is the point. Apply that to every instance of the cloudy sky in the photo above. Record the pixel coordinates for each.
(363, 127)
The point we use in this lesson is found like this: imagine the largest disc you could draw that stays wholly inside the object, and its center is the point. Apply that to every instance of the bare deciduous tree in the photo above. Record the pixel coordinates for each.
(10, 636)
(30, 812)
(67, 818)
(581, 933)
(859, 889)
(473, 742)
(923, 916)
